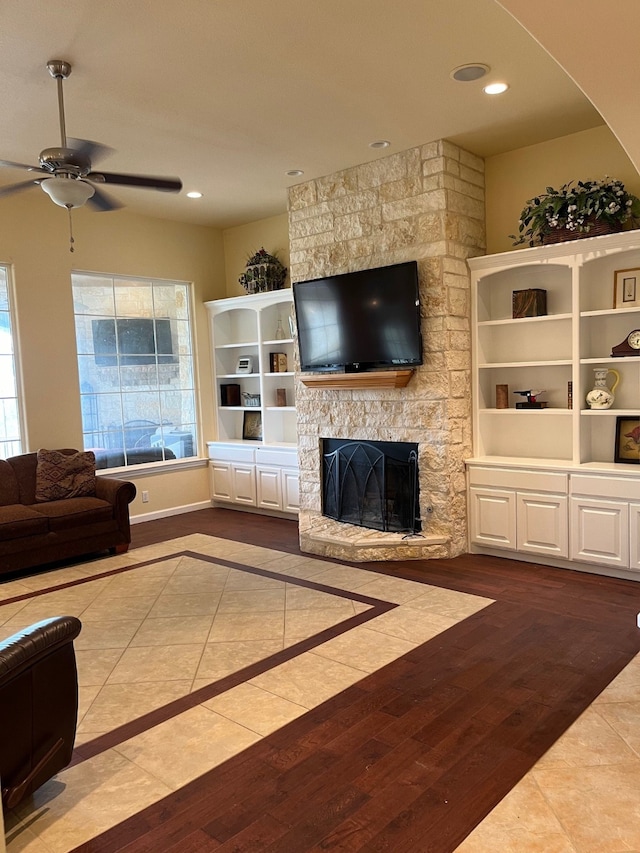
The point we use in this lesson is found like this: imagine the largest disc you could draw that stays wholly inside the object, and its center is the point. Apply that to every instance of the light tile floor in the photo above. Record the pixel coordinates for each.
(175, 624)
(166, 628)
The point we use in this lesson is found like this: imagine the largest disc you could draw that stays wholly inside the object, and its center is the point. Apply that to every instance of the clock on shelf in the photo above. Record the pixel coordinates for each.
(629, 346)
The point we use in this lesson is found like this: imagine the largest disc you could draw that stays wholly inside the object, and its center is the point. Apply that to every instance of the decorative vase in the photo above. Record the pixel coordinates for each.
(601, 396)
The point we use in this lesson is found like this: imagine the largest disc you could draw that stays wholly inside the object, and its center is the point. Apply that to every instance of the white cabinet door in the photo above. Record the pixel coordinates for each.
(268, 488)
(634, 537)
(221, 481)
(290, 490)
(543, 524)
(492, 519)
(244, 483)
(600, 531)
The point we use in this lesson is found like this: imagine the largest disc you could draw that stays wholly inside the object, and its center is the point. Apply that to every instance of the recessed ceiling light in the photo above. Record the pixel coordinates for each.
(380, 143)
(194, 194)
(470, 72)
(495, 88)
(294, 173)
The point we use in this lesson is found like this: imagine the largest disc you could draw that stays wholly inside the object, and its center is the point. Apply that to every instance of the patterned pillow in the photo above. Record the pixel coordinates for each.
(60, 476)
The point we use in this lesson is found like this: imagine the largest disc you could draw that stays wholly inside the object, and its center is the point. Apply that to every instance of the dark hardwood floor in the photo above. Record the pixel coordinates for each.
(415, 755)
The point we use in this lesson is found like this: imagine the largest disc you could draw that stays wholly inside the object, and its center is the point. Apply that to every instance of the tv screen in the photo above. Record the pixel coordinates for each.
(364, 320)
(132, 341)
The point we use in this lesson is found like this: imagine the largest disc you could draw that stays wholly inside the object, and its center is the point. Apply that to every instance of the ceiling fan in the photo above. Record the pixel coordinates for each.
(66, 173)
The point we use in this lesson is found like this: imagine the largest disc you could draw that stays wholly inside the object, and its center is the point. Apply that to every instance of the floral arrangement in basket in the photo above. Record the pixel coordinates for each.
(264, 272)
(575, 210)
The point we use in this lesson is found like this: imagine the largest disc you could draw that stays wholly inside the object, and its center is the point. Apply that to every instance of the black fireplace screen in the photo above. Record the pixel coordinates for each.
(372, 484)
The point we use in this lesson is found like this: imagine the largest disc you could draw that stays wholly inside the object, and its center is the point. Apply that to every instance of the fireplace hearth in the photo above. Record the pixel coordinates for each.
(372, 484)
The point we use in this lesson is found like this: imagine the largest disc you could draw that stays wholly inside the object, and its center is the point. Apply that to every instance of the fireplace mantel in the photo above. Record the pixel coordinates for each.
(372, 379)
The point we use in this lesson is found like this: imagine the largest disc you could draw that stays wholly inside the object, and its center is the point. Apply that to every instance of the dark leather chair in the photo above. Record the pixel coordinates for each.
(38, 705)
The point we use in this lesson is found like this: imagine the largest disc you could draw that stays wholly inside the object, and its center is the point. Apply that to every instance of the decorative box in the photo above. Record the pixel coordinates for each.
(229, 394)
(529, 303)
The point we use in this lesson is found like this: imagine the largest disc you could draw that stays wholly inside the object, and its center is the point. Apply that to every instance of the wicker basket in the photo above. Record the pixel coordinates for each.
(596, 229)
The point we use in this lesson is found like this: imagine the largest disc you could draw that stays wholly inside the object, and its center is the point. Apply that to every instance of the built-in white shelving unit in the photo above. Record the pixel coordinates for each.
(254, 456)
(544, 482)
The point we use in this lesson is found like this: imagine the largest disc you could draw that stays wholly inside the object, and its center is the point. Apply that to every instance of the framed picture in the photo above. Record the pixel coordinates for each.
(252, 426)
(626, 288)
(627, 440)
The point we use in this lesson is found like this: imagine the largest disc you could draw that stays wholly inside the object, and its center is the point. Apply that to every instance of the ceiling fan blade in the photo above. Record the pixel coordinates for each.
(17, 188)
(101, 202)
(170, 185)
(92, 151)
(20, 166)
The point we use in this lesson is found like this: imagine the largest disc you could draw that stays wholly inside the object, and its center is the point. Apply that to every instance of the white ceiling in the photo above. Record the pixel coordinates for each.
(229, 94)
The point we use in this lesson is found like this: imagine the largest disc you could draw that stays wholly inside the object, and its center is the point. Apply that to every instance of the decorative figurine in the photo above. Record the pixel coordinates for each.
(532, 401)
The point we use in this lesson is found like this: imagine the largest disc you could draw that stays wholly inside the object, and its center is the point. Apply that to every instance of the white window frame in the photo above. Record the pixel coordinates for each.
(19, 442)
(167, 464)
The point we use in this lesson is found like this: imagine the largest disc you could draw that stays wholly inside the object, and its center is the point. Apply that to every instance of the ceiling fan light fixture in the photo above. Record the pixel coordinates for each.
(194, 194)
(68, 192)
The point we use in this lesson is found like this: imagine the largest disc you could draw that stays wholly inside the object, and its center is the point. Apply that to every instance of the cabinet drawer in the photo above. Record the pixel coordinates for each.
(514, 478)
(231, 452)
(609, 487)
(285, 457)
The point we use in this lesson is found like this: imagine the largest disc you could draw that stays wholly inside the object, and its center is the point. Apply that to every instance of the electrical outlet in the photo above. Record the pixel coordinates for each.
(145, 497)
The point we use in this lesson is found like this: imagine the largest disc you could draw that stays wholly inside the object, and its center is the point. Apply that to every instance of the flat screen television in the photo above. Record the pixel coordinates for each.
(357, 321)
(132, 341)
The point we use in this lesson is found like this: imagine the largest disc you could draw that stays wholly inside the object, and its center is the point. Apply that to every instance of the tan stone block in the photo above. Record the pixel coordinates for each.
(433, 182)
(460, 383)
(361, 200)
(460, 341)
(458, 409)
(470, 160)
(431, 149)
(434, 303)
(359, 224)
(472, 176)
(404, 208)
(299, 271)
(464, 187)
(338, 184)
(302, 195)
(451, 166)
(433, 165)
(458, 203)
(311, 225)
(450, 150)
(404, 188)
(458, 302)
(458, 360)
(456, 267)
(303, 244)
(456, 324)
(430, 228)
(383, 171)
(311, 210)
(457, 279)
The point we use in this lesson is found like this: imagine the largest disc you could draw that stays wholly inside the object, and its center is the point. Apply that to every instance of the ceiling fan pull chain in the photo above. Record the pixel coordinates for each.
(71, 240)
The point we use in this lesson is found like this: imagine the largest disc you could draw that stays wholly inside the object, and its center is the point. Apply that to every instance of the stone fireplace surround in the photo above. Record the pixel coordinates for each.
(424, 204)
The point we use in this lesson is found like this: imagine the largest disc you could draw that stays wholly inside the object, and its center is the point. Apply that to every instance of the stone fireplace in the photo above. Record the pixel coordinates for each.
(424, 204)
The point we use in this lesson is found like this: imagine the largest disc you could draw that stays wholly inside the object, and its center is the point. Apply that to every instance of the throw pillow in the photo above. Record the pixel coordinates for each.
(61, 475)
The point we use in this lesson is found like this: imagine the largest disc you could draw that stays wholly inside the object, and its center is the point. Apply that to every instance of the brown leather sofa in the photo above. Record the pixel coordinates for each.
(33, 534)
(38, 705)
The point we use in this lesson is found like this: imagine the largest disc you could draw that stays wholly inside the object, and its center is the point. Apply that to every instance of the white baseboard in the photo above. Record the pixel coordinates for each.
(165, 513)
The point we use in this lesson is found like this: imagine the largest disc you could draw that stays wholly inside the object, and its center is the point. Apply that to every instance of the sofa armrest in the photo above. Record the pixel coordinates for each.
(26, 648)
(115, 491)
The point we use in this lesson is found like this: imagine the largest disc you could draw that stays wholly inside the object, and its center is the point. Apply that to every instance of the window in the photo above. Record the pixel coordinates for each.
(10, 432)
(135, 360)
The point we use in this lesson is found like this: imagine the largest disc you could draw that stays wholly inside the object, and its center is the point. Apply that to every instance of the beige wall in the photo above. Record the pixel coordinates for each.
(245, 240)
(516, 176)
(34, 239)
